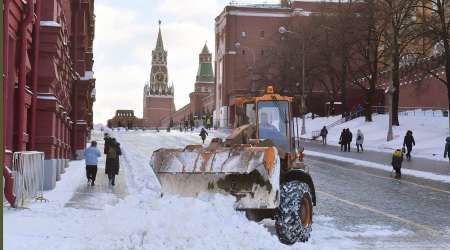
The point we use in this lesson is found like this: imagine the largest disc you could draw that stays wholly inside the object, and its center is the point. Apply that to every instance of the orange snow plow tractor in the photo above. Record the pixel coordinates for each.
(260, 163)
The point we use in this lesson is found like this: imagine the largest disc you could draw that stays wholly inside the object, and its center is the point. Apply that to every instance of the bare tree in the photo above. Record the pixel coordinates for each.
(338, 28)
(368, 53)
(398, 39)
(436, 26)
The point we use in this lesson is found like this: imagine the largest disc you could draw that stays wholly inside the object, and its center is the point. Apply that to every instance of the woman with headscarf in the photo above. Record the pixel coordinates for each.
(359, 140)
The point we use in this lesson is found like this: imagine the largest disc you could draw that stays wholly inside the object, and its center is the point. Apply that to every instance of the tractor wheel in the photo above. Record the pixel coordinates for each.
(294, 219)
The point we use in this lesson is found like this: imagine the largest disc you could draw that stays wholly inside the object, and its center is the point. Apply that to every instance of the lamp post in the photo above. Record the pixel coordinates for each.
(390, 92)
(283, 30)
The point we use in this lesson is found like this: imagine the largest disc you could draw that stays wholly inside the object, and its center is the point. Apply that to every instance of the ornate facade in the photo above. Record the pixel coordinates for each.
(48, 81)
(158, 95)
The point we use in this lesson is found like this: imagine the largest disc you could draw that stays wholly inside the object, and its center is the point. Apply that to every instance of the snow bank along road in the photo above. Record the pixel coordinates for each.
(357, 209)
(429, 132)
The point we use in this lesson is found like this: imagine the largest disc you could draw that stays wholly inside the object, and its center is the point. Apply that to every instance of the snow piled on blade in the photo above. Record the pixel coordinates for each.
(173, 222)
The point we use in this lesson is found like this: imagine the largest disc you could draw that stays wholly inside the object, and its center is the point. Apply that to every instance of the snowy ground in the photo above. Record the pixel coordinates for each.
(143, 220)
(429, 131)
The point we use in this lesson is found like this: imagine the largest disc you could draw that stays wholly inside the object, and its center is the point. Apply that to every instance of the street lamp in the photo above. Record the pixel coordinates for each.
(390, 92)
(283, 30)
(252, 67)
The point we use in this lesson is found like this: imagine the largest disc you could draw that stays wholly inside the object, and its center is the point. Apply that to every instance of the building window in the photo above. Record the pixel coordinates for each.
(244, 34)
(243, 52)
(261, 34)
(262, 52)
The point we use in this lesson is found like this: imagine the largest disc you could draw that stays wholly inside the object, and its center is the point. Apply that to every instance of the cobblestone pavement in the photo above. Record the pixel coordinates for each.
(357, 197)
(96, 197)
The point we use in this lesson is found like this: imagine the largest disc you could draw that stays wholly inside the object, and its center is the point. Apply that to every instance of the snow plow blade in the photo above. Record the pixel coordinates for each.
(251, 174)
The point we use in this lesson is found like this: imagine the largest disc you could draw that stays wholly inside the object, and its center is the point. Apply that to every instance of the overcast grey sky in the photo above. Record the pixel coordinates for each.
(125, 35)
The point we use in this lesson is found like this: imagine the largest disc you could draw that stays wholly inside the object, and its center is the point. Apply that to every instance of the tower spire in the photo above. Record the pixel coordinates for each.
(205, 71)
(205, 49)
(159, 41)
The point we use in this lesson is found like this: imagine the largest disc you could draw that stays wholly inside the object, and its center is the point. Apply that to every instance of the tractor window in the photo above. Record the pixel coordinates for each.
(250, 113)
(273, 122)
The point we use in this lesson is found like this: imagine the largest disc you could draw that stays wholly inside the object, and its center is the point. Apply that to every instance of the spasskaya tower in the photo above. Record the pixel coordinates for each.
(158, 95)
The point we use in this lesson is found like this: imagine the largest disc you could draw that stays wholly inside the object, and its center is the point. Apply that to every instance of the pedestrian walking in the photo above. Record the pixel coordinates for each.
(349, 139)
(409, 142)
(397, 159)
(447, 148)
(342, 140)
(359, 140)
(107, 140)
(191, 124)
(359, 110)
(203, 135)
(112, 161)
(91, 155)
(324, 133)
(208, 123)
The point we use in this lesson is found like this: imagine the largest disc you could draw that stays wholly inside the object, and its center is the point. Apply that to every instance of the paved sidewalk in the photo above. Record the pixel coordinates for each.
(96, 197)
(421, 164)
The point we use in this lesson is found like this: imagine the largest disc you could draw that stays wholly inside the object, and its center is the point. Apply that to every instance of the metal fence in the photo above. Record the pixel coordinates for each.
(414, 111)
(28, 172)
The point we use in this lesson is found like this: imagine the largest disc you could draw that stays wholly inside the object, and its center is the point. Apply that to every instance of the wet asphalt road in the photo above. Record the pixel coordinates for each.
(356, 197)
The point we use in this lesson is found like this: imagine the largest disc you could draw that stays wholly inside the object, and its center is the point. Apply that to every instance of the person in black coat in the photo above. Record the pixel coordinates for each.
(203, 135)
(324, 133)
(349, 139)
(342, 140)
(107, 140)
(409, 142)
(112, 161)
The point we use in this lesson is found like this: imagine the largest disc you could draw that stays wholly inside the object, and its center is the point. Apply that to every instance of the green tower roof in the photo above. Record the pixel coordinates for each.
(205, 49)
(205, 70)
(205, 73)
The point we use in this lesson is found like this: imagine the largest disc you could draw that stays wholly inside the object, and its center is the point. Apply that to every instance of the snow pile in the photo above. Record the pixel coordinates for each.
(429, 131)
(144, 220)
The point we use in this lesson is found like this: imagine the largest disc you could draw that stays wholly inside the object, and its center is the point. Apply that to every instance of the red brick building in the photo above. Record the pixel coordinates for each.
(244, 35)
(125, 119)
(158, 95)
(48, 79)
(202, 99)
(254, 28)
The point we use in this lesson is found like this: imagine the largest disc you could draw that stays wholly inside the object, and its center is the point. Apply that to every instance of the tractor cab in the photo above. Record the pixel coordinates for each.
(270, 118)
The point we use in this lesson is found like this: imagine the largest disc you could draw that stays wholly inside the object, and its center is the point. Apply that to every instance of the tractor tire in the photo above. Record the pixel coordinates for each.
(294, 219)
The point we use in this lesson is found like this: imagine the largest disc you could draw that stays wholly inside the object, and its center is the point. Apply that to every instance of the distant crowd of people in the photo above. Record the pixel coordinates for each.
(346, 138)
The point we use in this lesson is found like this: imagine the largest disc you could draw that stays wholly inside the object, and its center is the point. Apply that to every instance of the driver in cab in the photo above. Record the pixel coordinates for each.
(267, 130)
